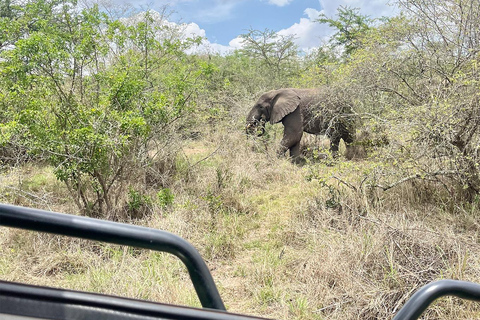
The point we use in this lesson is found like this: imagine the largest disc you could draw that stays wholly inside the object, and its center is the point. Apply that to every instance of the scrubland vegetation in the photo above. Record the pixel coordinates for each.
(113, 115)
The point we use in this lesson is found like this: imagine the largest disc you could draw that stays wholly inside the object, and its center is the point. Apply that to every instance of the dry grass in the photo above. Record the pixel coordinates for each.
(282, 241)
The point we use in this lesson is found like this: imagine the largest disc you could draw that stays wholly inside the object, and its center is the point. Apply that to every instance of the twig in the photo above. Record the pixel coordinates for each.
(385, 188)
(29, 196)
(414, 176)
(345, 183)
(201, 160)
(333, 305)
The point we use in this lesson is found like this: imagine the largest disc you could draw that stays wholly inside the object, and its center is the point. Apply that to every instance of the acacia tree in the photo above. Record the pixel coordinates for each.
(277, 52)
(89, 94)
(351, 26)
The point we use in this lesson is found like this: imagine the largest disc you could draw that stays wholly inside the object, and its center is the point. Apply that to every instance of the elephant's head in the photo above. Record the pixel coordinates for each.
(271, 106)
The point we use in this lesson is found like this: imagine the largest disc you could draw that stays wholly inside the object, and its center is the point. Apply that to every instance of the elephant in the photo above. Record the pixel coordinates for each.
(316, 111)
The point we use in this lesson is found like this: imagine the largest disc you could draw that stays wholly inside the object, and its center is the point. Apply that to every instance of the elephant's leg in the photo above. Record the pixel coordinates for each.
(348, 139)
(295, 150)
(292, 134)
(334, 143)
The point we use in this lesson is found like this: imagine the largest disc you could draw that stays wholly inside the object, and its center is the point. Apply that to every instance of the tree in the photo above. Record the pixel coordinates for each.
(90, 95)
(351, 26)
(277, 52)
(6, 10)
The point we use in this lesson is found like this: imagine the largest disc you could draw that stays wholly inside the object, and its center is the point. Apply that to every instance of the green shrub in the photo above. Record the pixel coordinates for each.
(165, 197)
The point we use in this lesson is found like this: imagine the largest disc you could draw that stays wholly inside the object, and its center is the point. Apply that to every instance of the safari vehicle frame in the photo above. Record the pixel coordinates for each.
(26, 302)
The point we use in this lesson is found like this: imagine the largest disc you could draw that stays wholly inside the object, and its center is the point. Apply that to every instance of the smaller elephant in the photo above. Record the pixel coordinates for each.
(315, 111)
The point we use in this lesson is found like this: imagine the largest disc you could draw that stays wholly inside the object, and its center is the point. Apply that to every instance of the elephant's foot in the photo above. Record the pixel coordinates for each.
(300, 161)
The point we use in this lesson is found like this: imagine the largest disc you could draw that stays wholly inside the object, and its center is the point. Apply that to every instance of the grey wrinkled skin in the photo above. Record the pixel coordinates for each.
(315, 111)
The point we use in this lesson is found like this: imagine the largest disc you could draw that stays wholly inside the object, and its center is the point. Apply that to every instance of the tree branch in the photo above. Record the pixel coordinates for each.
(412, 177)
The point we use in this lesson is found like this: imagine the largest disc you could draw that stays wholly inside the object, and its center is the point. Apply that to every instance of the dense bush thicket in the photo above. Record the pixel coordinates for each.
(419, 76)
(107, 101)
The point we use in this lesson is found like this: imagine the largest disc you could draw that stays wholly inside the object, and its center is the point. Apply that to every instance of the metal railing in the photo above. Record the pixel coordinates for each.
(142, 237)
(420, 301)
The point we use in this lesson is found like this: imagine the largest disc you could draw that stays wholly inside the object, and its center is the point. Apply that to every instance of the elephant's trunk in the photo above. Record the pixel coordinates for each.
(255, 128)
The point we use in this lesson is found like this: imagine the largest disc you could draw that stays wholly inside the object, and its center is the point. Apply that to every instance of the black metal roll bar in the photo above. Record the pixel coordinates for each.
(420, 301)
(119, 233)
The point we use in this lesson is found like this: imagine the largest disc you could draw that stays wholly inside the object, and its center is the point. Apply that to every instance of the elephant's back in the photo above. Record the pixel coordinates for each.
(308, 93)
(309, 97)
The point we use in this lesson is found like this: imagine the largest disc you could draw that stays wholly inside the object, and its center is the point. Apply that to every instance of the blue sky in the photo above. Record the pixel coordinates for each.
(222, 21)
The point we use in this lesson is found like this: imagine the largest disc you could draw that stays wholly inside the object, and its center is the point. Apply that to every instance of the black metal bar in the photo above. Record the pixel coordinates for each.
(420, 301)
(119, 233)
(49, 303)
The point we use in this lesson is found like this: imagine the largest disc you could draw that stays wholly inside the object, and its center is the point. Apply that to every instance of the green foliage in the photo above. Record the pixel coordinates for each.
(215, 204)
(89, 93)
(277, 52)
(165, 197)
(333, 200)
(137, 201)
(351, 26)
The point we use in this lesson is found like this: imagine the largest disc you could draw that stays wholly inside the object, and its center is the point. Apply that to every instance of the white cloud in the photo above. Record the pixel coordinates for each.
(372, 8)
(279, 3)
(193, 30)
(236, 43)
(184, 30)
(222, 11)
(207, 47)
(307, 32)
(214, 48)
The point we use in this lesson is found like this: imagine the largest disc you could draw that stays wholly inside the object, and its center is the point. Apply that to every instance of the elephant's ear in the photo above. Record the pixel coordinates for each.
(284, 103)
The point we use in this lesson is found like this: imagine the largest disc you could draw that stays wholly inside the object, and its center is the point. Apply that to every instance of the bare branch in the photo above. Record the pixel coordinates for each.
(415, 176)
